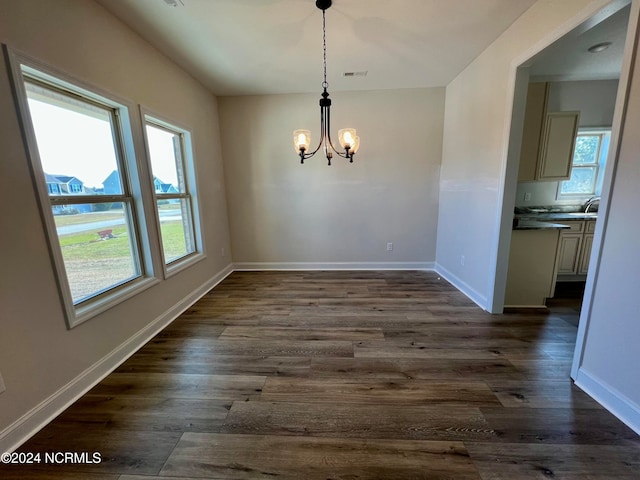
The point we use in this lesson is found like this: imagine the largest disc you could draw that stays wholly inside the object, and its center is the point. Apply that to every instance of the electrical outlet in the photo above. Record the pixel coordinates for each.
(222, 252)
(462, 260)
(527, 197)
(389, 246)
(2, 387)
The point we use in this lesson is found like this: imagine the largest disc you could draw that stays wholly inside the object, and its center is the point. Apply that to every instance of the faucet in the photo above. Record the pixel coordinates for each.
(589, 203)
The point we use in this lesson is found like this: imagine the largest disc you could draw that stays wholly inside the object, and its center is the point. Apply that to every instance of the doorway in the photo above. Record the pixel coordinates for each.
(578, 73)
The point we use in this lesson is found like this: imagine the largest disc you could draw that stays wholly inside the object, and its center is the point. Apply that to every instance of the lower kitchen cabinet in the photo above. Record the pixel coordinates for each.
(569, 253)
(574, 249)
(531, 273)
(585, 255)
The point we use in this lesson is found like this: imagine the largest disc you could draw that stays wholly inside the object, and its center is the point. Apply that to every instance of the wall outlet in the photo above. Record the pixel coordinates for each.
(527, 197)
(222, 252)
(389, 246)
(2, 387)
(462, 260)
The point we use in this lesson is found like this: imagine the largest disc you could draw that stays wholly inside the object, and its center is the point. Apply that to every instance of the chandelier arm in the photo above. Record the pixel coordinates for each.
(311, 154)
(329, 141)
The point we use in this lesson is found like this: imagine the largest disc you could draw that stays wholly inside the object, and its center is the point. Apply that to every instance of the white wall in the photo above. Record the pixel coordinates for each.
(596, 101)
(476, 136)
(607, 368)
(284, 214)
(38, 355)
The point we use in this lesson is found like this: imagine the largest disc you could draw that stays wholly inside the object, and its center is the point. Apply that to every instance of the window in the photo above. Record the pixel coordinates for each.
(589, 157)
(171, 162)
(80, 146)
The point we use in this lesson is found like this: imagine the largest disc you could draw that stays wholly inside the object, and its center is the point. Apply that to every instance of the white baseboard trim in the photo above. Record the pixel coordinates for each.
(301, 266)
(473, 295)
(34, 420)
(627, 411)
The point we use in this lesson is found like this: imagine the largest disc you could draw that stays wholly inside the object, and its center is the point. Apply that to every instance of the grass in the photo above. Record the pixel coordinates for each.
(94, 264)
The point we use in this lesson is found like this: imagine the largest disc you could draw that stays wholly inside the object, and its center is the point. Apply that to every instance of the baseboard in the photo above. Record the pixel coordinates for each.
(297, 266)
(473, 295)
(34, 420)
(627, 411)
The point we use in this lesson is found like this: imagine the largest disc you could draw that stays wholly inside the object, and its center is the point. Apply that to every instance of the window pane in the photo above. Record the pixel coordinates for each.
(166, 160)
(175, 228)
(586, 150)
(96, 245)
(75, 143)
(582, 181)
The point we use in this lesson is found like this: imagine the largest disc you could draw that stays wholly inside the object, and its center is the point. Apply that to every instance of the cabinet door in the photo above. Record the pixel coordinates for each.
(568, 253)
(558, 142)
(534, 116)
(585, 254)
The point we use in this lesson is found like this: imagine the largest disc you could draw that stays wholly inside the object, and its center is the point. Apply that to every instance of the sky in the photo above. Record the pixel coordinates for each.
(80, 145)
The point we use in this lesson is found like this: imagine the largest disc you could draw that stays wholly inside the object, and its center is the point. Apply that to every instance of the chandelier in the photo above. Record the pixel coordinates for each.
(347, 137)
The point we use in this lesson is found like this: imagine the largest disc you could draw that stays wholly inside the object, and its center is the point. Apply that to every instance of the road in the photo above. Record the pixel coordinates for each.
(165, 215)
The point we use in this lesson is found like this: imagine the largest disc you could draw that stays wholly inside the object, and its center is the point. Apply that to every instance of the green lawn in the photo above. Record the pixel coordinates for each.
(94, 264)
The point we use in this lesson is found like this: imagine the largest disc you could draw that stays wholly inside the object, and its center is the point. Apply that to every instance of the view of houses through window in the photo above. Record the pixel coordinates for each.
(167, 149)
(89, 185)
(77, 150)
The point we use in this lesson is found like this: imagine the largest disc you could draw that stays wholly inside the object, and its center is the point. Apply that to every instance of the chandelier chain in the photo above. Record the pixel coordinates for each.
(324, 50)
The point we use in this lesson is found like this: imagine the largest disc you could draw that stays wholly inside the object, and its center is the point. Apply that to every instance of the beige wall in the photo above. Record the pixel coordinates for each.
(38, 355)
(285, 213)
(476, 137)
(606, 365)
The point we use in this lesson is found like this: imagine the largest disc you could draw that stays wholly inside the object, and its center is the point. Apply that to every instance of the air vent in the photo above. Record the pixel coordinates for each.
(174, 3)
(355, 74)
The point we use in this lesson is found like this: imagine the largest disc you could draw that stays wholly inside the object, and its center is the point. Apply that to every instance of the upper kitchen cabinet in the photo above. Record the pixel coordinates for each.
(548, 138)
(534, 114)
(557, 144)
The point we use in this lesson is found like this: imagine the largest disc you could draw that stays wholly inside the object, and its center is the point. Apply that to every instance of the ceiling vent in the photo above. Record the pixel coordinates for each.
(355, 74)
(174, 3)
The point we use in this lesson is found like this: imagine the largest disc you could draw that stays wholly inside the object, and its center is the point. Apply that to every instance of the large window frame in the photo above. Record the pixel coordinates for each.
(186, 193)
(24, 69)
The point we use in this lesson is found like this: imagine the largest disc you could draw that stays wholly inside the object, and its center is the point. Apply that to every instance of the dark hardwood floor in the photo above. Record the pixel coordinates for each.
(343, 375)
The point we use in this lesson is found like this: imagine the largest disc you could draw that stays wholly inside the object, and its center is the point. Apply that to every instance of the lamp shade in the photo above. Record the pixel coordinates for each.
(347, 138)
(355, 146)
(301, 140)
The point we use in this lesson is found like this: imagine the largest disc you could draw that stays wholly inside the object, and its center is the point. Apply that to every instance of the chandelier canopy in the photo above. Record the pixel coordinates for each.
(349, 140)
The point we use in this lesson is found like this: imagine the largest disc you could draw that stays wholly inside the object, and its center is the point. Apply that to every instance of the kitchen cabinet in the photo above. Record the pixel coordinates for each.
(587, 243)
(531, 274)
(557, 144)
(569, 248)
(548, 138)
(574, 248)
(534, 115)
(585, 253)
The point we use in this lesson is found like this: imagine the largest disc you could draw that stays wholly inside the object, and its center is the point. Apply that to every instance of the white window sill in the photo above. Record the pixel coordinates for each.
(183, 263)
(102, 303)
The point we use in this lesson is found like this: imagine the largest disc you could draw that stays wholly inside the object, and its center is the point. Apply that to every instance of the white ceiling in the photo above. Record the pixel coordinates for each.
(569, 58)
(243, 47)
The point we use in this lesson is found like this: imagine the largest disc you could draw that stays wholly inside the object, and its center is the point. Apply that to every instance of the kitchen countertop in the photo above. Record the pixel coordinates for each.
(549, 217)
(527, 224)
(555, 216)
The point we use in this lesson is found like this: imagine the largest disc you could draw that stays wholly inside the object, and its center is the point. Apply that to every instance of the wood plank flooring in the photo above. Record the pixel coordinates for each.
(343, 375)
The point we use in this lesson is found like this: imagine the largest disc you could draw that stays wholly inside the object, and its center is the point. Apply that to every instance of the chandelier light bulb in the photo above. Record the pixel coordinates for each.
(301, 140)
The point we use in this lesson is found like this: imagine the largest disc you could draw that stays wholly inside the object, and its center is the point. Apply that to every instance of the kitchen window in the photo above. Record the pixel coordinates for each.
(81, 151)
(171, 159)
(587, 168)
